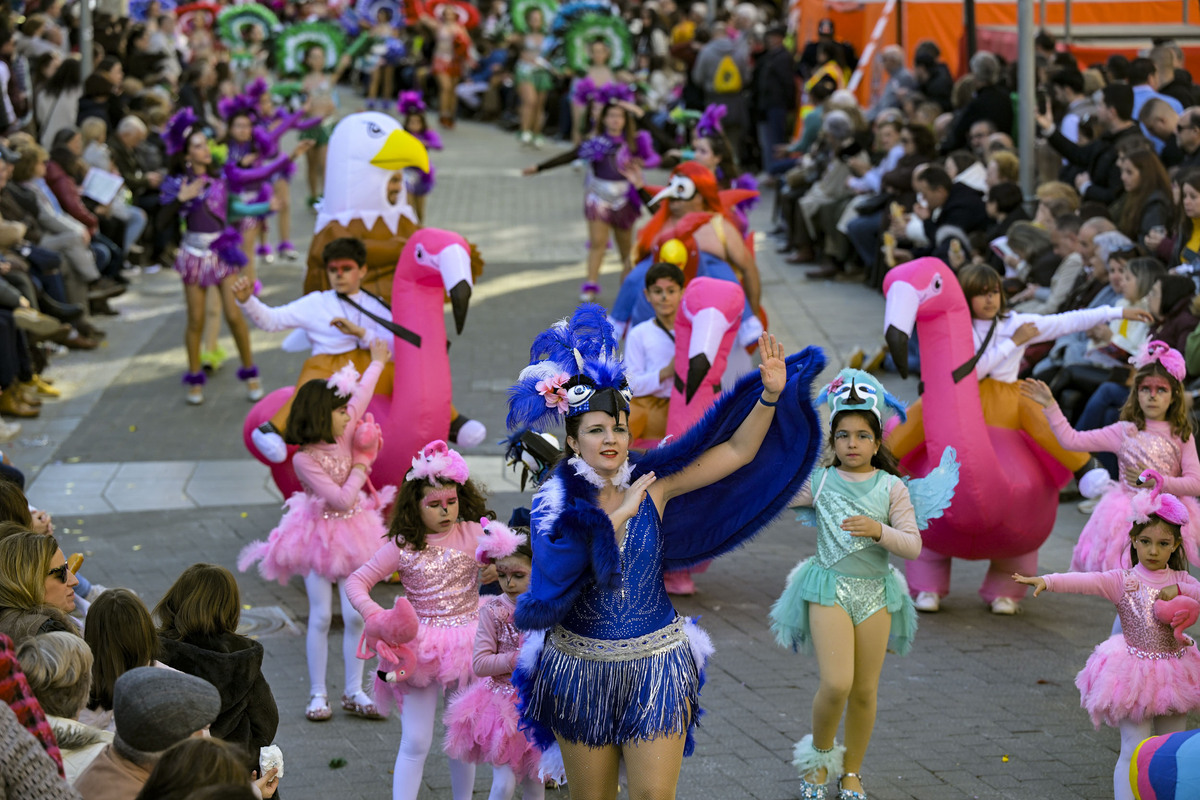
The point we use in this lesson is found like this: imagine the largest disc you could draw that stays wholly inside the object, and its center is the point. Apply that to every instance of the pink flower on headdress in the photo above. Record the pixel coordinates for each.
(1156, 502)
(553, 393)
(344, 380)
(437, 463)
(499, 541)
(1161, 352)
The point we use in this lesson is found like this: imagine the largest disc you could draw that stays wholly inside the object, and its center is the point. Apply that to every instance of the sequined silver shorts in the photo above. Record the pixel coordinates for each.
(861, 597)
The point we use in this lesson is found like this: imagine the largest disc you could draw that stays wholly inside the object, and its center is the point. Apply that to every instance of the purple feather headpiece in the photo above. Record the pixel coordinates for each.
(230, 107)
(616, 92)
(257, 88)
(709, 123)
(179, 128)
(1162, 353)
(584, 92)
(1156, 502)
(410, 103)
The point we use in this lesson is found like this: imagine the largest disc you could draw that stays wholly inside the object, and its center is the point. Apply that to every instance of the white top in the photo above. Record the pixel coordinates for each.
(648, 349)
(313, 312)
(1001, 360)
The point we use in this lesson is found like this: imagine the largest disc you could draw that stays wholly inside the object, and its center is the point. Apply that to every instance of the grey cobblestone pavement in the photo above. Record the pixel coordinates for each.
(984, 707)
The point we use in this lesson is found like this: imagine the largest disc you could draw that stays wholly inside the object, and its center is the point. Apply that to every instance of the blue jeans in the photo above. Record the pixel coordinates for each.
(1104, 408)
(864, 233)
(772, 131)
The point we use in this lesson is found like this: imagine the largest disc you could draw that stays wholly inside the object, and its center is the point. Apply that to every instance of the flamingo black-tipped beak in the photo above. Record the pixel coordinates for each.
(460, 301)
(698, 367)
(897, 342)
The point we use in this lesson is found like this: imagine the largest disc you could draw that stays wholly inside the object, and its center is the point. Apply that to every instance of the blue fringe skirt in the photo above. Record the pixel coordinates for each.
(602, 692)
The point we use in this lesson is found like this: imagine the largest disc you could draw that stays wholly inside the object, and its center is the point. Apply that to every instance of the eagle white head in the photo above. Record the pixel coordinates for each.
(365, 150)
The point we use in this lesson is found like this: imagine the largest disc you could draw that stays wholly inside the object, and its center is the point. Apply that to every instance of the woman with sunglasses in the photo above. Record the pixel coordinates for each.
(37, 587)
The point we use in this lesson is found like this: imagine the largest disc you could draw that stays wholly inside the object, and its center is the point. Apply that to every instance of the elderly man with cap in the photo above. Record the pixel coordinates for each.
(153, 709)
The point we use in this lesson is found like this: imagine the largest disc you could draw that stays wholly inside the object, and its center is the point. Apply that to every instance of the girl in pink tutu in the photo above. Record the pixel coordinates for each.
(1146, 679)
(432, 546)
(332, 527)
(481, 720)
(1154, 432)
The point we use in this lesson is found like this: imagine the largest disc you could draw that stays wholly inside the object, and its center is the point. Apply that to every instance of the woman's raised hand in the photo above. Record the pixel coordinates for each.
(1037, 391)
(773, 369)
(1037, 582)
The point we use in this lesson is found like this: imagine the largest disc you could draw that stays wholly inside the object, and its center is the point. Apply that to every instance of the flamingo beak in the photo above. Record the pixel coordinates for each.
(454, 262)
(899, 317)
(401, 149)
(709, 327)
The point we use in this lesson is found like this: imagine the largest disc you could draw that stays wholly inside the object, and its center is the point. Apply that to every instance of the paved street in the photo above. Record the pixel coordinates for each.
(984, 707)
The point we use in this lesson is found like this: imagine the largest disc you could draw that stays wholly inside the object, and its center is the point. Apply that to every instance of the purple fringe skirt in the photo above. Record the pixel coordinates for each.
(611, 202)
(206, 259)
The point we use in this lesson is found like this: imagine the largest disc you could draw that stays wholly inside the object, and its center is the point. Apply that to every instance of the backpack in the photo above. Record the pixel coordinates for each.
(728, 77)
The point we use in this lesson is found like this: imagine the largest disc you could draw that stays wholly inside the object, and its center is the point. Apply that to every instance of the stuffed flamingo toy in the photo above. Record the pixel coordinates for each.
(434, 263)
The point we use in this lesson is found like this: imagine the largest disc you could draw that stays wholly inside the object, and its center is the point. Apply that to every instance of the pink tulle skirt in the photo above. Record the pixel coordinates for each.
(481, 728)
(442, 655)
(310, 538)
(1116, 685)
(1104, 542)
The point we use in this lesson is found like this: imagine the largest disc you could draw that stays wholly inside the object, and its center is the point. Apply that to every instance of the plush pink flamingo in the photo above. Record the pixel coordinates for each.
(710, 313)
(1007, 493)
(432, 264)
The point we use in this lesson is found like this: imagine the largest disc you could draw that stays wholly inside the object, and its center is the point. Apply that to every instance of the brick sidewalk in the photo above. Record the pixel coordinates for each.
(983, 707)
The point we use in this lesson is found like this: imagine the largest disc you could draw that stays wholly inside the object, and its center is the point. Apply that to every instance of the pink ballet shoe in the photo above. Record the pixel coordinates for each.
(1180, 612)
(679, 583)
(364, 710)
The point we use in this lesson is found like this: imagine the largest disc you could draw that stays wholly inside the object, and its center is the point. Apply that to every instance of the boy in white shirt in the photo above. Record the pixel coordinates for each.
(650, 354)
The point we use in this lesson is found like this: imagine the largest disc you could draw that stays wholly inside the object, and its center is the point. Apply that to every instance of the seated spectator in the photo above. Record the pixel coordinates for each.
(37, 588)
(102, 93)
(933, 76)
(154, 709)
(1143, 77)
(1099, 177)
(991, 102)
(1067, 275)
(1146, 203)
(128, 149)
(59, 669)
(121, 634)
(195, 764)
(951, 211)
(1005, 205)
(1067, 87)
(900, 81)
(56, 100)
(65, 172)
(198, 619)
(1003, 167)
(96, 155)
(964, 168)
(1034, 263)
(1057, 190)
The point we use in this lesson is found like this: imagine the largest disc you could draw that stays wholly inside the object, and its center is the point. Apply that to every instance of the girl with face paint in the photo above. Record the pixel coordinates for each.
(1154, 432)
(432, 548)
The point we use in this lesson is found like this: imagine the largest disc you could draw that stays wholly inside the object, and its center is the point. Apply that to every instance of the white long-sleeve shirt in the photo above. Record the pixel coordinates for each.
(1001, 360)
(313, 313)
(648, 348)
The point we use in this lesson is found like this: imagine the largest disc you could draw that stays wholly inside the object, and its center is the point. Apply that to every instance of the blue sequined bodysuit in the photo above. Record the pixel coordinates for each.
(849, 571)
(626, 650)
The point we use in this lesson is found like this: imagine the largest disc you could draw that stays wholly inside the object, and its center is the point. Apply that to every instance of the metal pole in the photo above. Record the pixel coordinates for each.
(85, 37)
(1026, 88)
(969, 27)
(1067, 20)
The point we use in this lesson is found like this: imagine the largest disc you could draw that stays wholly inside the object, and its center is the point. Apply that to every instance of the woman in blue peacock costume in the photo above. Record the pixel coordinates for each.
(847, 604)
(609, 670)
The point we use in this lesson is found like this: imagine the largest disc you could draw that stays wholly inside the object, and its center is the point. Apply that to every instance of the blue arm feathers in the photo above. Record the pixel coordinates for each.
(931, 495)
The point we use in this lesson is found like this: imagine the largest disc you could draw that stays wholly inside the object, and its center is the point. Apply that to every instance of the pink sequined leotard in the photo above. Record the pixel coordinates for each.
(442, 583)
(1144, 671)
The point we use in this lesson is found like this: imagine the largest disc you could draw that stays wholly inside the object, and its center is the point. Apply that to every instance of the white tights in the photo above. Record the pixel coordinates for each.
(416, 738)
(504, 785)
(1132, 734)
(320, 616)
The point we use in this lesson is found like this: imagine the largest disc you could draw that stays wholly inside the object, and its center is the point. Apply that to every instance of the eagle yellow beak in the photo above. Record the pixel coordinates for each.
(401, 150)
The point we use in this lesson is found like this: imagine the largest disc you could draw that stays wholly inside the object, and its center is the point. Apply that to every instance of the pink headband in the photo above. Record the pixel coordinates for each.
(344, 380)
(437, 463)
(1157, 351)
(1156, 502)
(499, 541)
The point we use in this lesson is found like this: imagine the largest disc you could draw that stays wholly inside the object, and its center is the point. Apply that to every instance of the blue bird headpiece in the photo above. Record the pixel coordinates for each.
(855, 390)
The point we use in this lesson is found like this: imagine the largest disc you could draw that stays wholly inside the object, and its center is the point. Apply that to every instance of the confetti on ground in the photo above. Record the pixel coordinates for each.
(74, 460)
(137, 547)
(133, 428)
(1004, 759)
(337, 763)
(244, 515)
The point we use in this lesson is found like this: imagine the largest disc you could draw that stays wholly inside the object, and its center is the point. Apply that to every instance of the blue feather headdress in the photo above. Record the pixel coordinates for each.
(855, 390)
(573, 368)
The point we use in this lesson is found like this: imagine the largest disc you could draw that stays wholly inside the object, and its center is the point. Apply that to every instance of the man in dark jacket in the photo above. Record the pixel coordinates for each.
(951, 211)
(1101, 179)
(991, 103)
(809, 60)
(933, 77)
(774, 92)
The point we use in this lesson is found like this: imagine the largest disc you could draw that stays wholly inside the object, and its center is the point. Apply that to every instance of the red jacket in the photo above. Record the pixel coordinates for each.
(69, 197)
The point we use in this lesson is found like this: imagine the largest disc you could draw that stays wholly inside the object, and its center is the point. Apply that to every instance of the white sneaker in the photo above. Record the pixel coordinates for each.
(927, 601)
(1088, 506)
(9, 430)
(270, 445)
(1005, 606)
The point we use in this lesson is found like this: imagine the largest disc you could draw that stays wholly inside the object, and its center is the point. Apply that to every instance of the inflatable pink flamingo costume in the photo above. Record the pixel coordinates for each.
(710, 313)
(432, 264)
(1007, 493)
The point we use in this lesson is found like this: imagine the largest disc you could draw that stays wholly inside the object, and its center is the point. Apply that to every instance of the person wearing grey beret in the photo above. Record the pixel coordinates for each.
(153, 709)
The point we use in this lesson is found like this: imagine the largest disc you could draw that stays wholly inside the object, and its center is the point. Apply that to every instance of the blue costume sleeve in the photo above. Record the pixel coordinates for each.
(711, 521)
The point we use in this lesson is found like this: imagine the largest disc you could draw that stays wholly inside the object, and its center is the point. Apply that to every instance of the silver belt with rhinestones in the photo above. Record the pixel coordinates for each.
(454, 621)
(1137, 652)
(652, 644)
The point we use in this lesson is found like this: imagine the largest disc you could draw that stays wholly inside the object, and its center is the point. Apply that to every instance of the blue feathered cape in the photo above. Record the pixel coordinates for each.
(573, 540)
